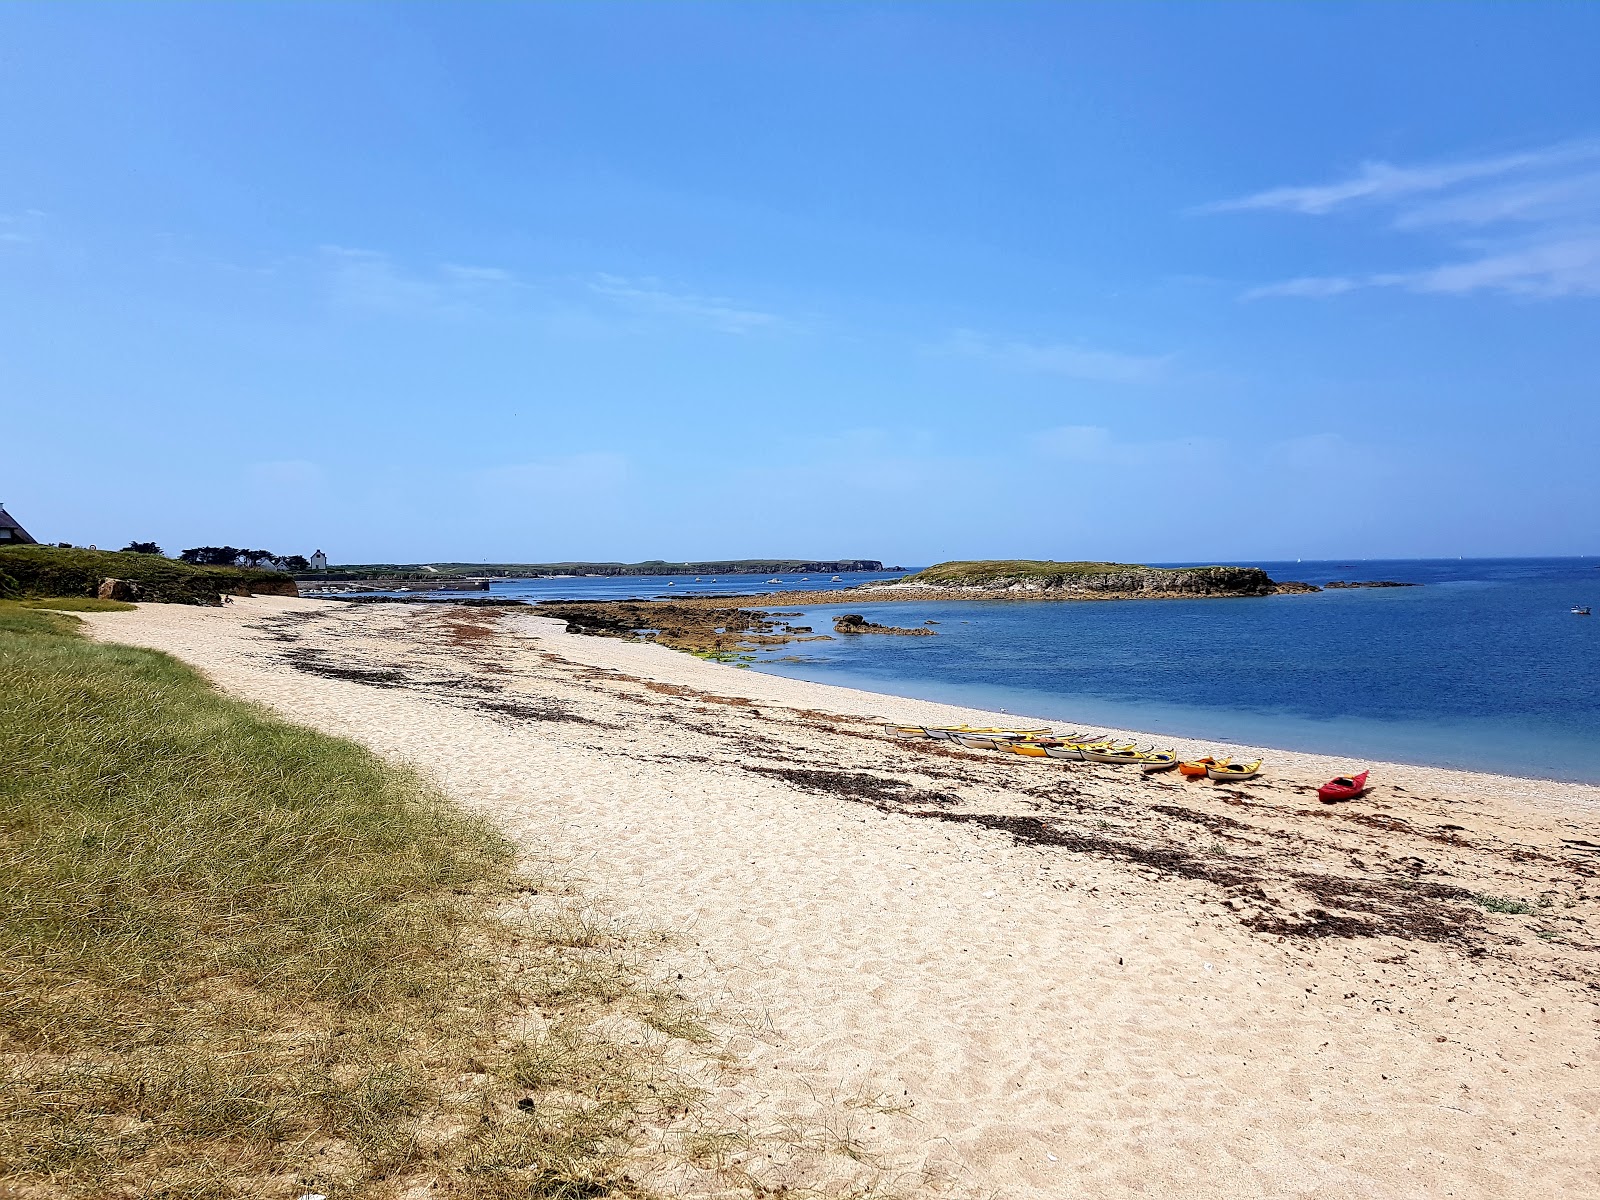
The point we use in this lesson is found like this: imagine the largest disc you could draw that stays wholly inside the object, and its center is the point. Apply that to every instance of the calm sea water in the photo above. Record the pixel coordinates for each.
(637, 587)
(1483, 667)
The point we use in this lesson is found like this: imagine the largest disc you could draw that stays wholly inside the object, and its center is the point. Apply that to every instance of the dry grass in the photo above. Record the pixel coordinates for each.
(238, 957)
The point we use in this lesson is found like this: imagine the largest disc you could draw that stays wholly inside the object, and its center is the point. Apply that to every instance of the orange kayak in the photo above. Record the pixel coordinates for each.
(1198, 768)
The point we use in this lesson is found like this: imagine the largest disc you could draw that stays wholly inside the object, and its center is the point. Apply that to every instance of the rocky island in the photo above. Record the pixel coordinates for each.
(1035, 579)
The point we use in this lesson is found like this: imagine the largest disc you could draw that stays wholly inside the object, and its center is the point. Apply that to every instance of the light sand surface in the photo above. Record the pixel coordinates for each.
(951, 973)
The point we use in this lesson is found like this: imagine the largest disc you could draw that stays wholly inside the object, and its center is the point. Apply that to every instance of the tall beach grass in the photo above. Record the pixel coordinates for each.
(239, 957)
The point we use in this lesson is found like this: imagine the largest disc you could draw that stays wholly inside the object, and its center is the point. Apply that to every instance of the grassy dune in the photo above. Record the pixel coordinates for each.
(239, 957)
(74, 572)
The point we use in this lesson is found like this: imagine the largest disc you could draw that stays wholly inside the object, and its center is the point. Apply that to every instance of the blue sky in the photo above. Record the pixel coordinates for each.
(913, 282)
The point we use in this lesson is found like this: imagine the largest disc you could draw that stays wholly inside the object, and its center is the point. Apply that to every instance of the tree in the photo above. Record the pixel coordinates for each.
(211, 556)
(142, 548)
(296, 562)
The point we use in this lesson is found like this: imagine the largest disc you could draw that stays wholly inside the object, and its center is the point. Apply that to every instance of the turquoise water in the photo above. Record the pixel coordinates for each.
(1483, 667)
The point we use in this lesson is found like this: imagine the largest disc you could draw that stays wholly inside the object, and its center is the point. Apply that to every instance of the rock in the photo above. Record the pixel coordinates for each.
(856, 623)
(119, 589)
(1292, 587)
(1371, 583)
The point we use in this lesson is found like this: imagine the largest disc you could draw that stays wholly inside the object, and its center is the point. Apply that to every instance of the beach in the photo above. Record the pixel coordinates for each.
(933, 971)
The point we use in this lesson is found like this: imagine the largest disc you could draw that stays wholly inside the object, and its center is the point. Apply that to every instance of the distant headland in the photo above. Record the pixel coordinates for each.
(1033, 579)
(736, 566)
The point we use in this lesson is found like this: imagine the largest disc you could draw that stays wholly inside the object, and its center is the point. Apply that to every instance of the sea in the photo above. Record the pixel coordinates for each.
(1483, 666)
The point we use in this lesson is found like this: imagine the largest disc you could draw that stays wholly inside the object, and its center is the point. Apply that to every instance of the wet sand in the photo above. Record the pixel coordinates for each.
(944, 972)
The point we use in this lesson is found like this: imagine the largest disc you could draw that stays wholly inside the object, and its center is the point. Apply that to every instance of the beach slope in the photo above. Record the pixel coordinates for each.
(948, 973)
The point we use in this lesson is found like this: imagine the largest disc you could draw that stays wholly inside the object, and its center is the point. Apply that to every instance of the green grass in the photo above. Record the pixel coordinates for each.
(1503, 904)
(53, 571)
(240, 958)
(1081, 577)
(76, 604)
(1018, 568)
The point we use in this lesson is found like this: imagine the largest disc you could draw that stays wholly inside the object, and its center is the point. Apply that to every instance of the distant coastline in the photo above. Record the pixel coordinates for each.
(477, 571)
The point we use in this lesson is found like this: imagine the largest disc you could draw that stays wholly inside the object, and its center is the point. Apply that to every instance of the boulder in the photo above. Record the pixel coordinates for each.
(119, 589)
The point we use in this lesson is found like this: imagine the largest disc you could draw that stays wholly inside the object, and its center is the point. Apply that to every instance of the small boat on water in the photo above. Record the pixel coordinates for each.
(1580, 610)
(1234, 771)
(835, 579)
(1342, 788)
(1197, 768)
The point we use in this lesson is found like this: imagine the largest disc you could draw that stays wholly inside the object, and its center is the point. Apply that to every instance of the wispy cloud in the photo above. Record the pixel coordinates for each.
(1534, 217)
(368, 279)
(1384, 182)
(1074, 360)
(1099, 445)
(1547, 268)
(715, 312)
(19, 228)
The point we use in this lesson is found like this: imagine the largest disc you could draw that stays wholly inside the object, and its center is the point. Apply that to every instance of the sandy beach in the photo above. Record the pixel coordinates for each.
(940, 972)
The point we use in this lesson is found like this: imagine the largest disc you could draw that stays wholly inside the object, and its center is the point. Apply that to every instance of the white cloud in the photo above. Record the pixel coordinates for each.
(1574, 198)
(1379, 181)
(1309, 285)
(1568, 266)
(651, 296)
(1543, 270)
(1537, 217)
(1057, 358)
(367, 279)
(20, 228)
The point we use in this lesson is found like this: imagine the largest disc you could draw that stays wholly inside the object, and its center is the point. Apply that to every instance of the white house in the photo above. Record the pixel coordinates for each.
(319, 561)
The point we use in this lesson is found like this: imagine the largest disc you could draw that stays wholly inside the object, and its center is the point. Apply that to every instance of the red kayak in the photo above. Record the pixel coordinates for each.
(1339, 789)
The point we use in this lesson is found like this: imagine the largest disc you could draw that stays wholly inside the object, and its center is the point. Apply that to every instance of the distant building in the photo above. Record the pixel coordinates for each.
(319, 561)
(12, 534)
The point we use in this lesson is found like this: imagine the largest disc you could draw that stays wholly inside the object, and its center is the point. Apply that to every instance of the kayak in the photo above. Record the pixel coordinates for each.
(1198, 767)
(951, 732)
(1233, 770)
(1343, 788)
(1159, 760)
(1115, 754)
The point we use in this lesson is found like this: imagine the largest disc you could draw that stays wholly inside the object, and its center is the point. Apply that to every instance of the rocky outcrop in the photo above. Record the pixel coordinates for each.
(1088, 581)
(119, 589)
(1370, 583)
(856, 623)
(1291, 587)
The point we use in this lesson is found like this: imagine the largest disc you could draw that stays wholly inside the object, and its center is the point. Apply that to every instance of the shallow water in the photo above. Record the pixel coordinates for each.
(1483, 667)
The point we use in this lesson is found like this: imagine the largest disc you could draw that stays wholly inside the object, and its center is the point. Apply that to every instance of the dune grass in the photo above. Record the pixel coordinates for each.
(72, 571)
(241, 958)
(76, 604)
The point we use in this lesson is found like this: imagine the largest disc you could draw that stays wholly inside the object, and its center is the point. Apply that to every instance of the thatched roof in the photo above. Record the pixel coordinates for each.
(9, 523)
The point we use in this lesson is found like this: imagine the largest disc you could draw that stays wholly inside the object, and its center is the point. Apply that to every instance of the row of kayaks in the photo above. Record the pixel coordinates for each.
(1044, 742)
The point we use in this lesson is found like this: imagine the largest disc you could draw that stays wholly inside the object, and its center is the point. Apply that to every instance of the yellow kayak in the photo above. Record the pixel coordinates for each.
(1233, 770)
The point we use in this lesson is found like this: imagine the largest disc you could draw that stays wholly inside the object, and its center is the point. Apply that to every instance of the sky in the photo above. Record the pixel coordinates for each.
(915, 282)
